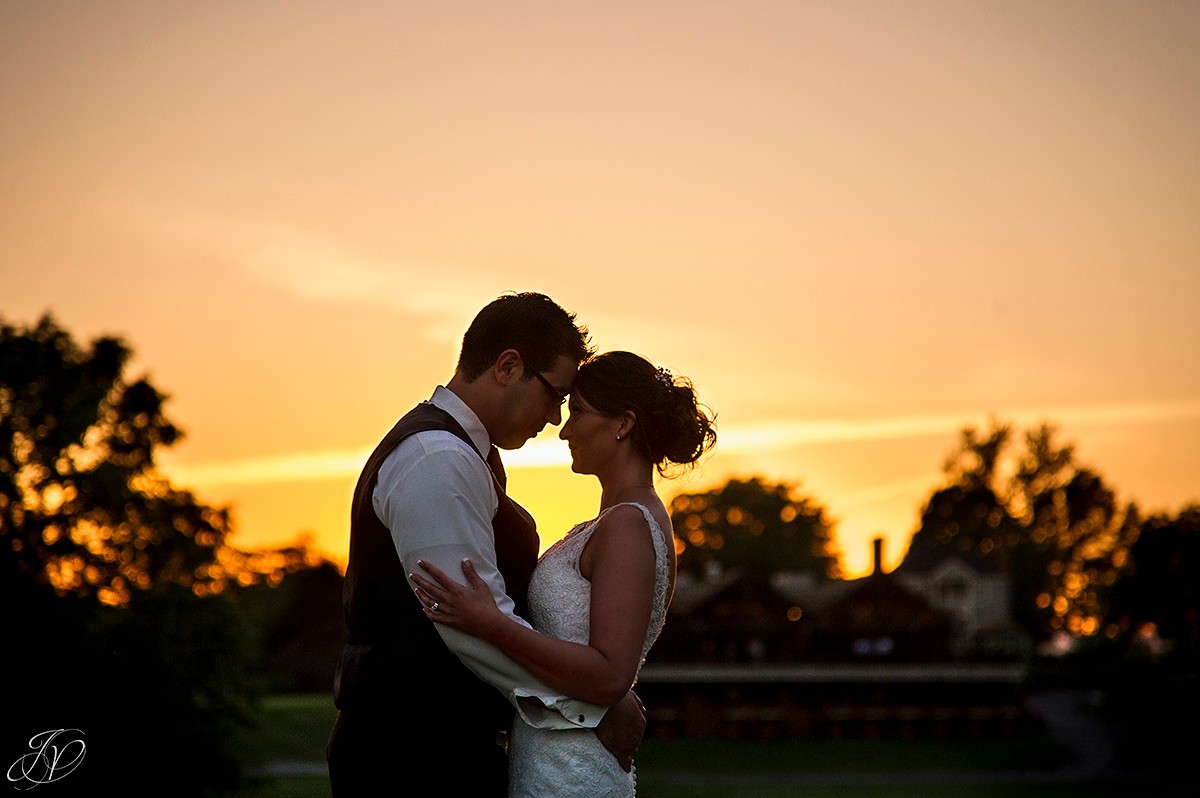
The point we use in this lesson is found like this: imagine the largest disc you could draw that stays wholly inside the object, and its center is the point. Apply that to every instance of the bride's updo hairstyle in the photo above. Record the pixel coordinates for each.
(671, 427)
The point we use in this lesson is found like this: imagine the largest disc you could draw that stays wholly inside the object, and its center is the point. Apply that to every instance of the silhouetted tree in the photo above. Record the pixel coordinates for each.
(1054, 524)
(111, 578)
(967, 518)
(82, 509)
(1153, 693)
(1156, 602)
(759, 527)
(968, 514)
(1077, 536)
(298, 626)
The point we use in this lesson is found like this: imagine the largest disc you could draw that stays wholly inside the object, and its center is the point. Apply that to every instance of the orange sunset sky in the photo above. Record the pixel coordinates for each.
(857, 226)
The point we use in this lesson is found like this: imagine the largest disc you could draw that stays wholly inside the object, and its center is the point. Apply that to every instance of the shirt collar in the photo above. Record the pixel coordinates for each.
(448, 400)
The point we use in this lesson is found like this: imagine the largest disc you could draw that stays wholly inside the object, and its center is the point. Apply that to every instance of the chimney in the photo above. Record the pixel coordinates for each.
(877, 543)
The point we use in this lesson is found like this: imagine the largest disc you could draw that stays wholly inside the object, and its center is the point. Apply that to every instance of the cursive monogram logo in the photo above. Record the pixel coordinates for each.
(54, 754)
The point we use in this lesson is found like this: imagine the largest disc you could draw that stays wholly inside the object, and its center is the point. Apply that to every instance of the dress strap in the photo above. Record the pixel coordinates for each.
(655, 529)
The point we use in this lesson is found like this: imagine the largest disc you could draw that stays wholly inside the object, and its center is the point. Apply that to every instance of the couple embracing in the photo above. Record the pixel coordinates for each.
(470, 663)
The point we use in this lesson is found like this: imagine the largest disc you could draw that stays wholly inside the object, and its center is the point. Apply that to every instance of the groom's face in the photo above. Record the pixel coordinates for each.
(537, 400)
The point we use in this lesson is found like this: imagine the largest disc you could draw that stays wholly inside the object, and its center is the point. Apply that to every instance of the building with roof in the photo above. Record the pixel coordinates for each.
(928, 649)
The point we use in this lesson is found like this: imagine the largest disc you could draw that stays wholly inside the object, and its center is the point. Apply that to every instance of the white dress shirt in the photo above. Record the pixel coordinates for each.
(438, 497)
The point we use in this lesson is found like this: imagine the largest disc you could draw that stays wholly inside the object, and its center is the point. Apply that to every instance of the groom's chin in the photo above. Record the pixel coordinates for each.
(511, 443)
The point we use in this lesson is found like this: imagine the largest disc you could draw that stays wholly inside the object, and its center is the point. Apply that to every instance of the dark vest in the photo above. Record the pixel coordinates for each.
(395, 662)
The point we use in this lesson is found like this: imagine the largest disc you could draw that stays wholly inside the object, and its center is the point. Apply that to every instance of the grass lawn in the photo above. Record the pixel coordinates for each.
(294, 729)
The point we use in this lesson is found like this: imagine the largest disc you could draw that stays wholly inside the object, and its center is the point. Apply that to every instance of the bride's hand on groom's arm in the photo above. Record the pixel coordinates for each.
(469, 608)
(622, 728)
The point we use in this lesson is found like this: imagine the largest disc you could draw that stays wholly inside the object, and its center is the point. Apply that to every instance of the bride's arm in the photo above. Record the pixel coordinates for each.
(619, 562)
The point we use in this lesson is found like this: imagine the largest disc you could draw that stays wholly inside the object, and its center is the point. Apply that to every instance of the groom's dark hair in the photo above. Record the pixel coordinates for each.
(531, 323)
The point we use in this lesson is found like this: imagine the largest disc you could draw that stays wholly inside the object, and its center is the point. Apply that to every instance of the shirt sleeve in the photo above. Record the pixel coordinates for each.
(438, 499)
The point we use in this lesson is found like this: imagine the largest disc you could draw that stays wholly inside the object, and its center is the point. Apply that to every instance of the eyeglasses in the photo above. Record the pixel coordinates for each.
(556, 394)
(560, 397)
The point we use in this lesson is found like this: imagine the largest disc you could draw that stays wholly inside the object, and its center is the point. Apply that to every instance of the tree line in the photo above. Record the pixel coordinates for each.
(1082, 564)
(120, 589)
(138, 622)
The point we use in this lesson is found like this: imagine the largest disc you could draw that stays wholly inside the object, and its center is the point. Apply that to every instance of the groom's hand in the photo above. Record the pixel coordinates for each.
(622, 728)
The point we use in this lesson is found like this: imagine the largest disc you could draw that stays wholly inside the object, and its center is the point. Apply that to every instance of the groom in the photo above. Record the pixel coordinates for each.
(418, 700)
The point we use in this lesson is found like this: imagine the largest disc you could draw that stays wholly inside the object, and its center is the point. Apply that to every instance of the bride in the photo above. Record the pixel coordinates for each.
(599, 596)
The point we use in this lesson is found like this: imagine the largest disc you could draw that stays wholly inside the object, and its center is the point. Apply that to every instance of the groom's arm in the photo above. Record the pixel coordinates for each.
(437, 498)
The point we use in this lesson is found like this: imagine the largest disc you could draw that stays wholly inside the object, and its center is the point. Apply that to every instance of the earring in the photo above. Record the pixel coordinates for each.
(618, 436)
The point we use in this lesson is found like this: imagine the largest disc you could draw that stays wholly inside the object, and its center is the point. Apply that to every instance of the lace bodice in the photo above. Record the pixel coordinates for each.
(572, 762)
(560, 597)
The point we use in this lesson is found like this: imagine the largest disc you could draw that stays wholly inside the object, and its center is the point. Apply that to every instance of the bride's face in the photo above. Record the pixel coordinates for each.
(590, 435)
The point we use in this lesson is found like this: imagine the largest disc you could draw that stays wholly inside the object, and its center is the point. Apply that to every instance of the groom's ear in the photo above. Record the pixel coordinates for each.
(508, 366)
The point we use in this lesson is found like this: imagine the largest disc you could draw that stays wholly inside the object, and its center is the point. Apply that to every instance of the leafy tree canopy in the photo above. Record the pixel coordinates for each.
(115, 577)
(1055, 524)
(753, 525)
(82, 508)
(1156, 604)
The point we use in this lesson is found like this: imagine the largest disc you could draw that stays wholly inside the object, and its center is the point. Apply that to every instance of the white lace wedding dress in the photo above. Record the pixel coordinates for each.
(557, 762)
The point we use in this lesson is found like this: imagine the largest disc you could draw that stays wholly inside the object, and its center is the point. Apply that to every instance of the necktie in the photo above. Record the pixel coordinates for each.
(494, 462)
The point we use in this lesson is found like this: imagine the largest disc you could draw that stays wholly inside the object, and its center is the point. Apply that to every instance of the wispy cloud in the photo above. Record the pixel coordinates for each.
(294, 467)
(322, 268)
(551, 452)
(783, 434)
(311, 265)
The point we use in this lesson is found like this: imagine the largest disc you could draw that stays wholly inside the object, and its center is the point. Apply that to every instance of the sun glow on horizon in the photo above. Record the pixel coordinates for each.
(548, 451)
(541, 479)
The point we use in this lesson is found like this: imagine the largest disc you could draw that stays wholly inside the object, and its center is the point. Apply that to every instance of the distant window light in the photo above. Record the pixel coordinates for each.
(873, 646)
